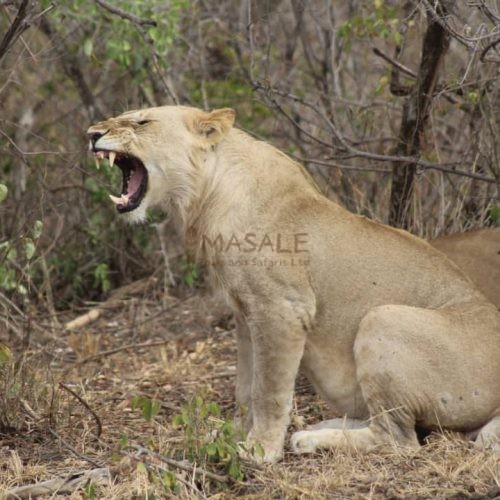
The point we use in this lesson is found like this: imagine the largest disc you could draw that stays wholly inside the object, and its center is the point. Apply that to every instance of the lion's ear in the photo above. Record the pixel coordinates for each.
(216, 124)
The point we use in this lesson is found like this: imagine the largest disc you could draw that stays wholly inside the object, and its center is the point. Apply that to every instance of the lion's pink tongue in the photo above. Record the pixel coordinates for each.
(134, 181)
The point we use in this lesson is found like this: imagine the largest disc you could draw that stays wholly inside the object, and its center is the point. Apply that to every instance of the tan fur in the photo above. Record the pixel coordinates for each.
(385, 326)
(478, 254)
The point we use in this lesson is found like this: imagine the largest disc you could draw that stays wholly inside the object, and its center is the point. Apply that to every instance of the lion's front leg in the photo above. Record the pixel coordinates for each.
(244, 375)
(278, 346)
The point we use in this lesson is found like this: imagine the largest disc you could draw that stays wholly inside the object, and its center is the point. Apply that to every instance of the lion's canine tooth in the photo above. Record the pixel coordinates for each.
(97, 164)
(124, 199)
(115, 199)
(112, 156)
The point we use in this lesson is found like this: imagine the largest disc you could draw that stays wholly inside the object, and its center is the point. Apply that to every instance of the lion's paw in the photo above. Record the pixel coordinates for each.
(306, 441)
(260, 453)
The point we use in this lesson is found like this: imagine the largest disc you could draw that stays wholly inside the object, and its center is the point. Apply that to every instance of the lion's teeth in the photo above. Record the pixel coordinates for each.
(97, 164)
(115, 199)
(123, 200)
(100, 154)
(112, 156)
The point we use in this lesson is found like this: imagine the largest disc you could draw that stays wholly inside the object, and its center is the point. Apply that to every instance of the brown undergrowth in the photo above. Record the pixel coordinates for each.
(105, 398)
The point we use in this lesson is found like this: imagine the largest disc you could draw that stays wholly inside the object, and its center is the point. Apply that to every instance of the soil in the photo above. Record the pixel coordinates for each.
(77, 414)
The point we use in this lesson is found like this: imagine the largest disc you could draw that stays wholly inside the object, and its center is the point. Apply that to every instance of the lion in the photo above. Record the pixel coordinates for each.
(390, 332)
(478, 254)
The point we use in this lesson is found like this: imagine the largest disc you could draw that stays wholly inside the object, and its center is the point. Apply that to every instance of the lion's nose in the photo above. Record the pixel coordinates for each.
(95, 136)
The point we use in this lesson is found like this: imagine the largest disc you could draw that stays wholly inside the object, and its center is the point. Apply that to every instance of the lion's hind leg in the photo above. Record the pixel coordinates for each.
(386, 370)
(384, 387)
(339, 423)
(324, 434)
(489, 435)
(424, 366)
(313, 440)
(384, 430)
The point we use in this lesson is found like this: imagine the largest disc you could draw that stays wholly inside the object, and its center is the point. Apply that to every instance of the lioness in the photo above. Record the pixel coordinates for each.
(478, 254)
(389, 331)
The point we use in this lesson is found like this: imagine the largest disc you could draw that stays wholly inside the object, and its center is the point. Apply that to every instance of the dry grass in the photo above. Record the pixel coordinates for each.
(57, 436)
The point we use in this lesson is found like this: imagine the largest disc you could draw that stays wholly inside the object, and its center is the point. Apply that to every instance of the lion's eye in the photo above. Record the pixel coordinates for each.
(143, 122)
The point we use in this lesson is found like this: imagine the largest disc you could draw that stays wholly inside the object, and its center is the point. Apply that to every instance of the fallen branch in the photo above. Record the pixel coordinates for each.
(104, 354)
(187, 467)
(60, 485)
(84, 319)
(137, 287)
(150, 466)
(36, 417)
(86, 405)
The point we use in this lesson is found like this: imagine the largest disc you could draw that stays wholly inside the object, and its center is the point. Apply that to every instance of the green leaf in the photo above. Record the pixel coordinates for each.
(178, 420)
(221, 450)
(29, 248)
(495, 213)
(169, 480)
(101, 277)
(123, 441)
(3, 192)
(258, 450)
(214, 409)
(12, 254)
(136, 402)
(141, 467)
(37, 229)
(5, 354)
(235, 470)
(90, 491)
(88, 47)
(149, 407)
(211, 449)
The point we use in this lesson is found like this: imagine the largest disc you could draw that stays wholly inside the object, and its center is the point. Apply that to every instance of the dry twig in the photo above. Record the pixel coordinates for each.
(110, 352)
(124, 14)
(194, 469)
(86, 405)
(60, 485)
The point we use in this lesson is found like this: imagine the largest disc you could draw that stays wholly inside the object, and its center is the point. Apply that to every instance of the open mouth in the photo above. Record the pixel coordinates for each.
(134, 178)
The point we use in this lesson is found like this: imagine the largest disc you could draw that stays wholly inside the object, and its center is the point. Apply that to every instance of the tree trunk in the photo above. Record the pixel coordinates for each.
(415, 116)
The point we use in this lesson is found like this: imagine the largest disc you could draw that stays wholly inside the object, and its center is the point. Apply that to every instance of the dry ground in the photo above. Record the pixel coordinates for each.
(190, 352)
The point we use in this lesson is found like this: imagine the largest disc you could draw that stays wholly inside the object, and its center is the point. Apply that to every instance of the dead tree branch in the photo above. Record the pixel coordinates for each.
(488, 47)
(125, 15)
(415, 116)
(19, 25)
(395, 63)
(353, 152)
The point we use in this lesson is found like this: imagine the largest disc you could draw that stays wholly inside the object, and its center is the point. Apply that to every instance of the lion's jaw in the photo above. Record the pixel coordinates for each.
(159, 151)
